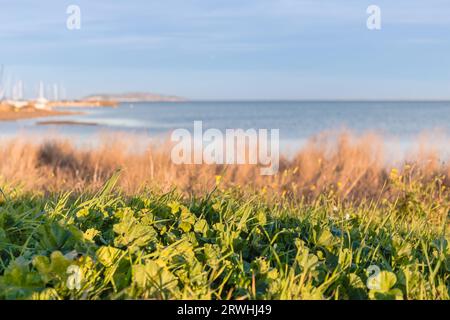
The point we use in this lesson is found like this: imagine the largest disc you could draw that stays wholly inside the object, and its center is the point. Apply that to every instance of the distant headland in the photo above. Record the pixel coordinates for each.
(15, 109)
(134, 97)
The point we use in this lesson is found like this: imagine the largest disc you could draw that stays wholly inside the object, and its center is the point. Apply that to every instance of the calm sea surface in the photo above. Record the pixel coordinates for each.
(402, 122)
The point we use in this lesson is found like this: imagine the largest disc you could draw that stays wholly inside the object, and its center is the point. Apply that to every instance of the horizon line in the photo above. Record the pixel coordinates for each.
(187, 100)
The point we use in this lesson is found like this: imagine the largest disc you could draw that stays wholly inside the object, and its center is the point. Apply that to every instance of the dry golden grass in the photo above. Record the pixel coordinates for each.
(353, 167)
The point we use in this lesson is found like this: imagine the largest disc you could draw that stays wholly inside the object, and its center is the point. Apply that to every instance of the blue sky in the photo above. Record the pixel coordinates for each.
(231, 49)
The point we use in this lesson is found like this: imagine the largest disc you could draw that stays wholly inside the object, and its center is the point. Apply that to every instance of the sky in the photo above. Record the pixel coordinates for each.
(231, 49)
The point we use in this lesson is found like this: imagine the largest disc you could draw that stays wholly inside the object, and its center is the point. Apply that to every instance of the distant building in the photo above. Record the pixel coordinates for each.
(18, 104)
(41, 102)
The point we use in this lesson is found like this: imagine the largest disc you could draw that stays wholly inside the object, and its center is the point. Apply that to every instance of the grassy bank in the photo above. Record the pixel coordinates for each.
(354, 167)
(226, 244)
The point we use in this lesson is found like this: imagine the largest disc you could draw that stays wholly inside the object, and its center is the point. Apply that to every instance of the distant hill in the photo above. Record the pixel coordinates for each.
(134, 97)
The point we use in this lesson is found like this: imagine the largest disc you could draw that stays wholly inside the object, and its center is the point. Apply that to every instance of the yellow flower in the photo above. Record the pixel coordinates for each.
(394, 174)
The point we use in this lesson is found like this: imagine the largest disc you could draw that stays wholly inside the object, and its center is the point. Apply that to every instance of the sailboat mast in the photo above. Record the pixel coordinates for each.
(2, 89)
(41, 90)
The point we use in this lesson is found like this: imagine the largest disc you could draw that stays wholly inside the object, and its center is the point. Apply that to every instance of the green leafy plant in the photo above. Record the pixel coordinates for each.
(228, 244)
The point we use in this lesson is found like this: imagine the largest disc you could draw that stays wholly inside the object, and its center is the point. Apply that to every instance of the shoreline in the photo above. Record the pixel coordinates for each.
(14, 115)
(65, 123)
